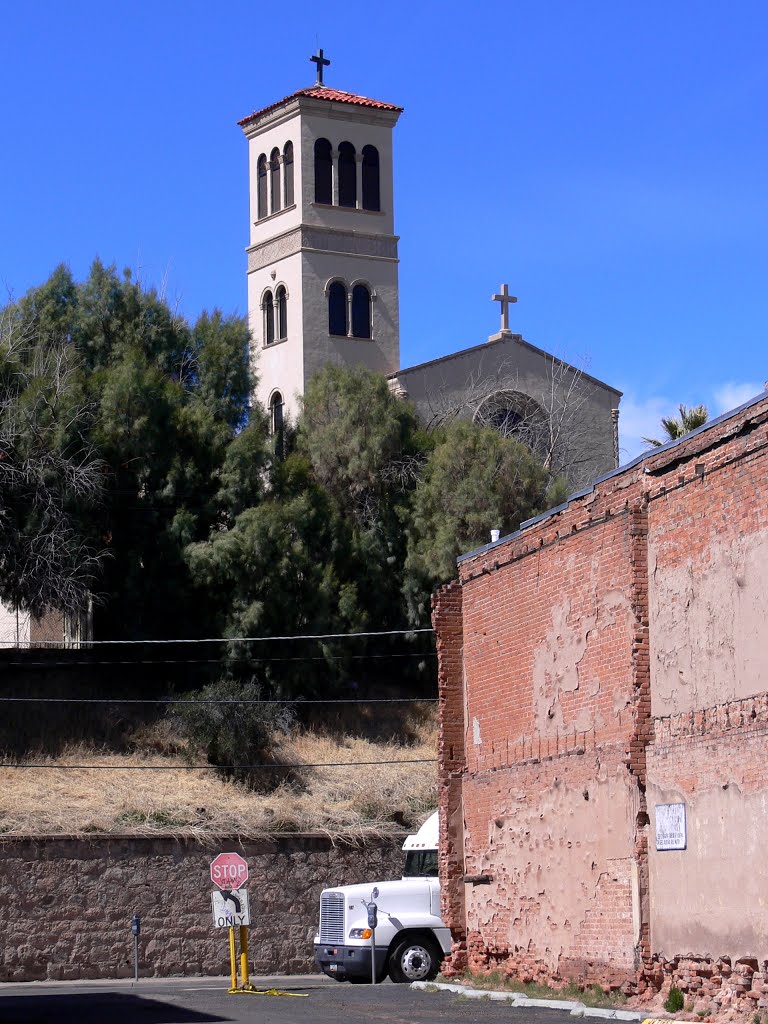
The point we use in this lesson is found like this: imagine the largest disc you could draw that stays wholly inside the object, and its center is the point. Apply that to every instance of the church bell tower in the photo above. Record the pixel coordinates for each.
(322, 258)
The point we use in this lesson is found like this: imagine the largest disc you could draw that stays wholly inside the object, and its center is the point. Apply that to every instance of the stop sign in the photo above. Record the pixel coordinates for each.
(229, 870)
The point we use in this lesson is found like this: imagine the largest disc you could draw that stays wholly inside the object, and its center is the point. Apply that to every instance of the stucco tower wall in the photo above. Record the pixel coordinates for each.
(308, 245)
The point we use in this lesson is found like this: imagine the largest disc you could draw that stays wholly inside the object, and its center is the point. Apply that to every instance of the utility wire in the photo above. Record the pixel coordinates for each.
(242, 639)
(215, 767)
(215, 661)
(187, 700)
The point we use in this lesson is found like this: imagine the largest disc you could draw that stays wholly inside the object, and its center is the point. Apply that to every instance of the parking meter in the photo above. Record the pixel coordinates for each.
(136, 930)
(373, 919)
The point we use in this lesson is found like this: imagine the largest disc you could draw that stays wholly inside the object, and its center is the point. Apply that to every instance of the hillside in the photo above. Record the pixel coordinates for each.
(152, 790)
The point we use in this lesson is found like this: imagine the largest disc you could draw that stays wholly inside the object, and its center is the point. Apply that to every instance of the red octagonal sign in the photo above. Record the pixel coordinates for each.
(229, 870)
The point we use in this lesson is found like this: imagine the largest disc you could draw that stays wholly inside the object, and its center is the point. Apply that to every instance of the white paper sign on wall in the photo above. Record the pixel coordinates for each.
(671, 829)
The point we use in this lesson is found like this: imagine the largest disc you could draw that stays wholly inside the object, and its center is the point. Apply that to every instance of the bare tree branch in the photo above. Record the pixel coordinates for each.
(550, 416)
(47, 472)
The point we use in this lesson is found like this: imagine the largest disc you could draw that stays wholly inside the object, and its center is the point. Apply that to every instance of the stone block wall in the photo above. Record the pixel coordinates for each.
(613, 659)
(66, 904)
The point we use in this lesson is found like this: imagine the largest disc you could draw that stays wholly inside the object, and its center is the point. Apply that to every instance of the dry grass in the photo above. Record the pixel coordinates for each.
(346, 803)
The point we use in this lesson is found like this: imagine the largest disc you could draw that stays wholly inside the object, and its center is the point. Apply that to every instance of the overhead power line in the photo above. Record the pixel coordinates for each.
(25, 663)
(215, 767)
(241, 639)
(229, 700)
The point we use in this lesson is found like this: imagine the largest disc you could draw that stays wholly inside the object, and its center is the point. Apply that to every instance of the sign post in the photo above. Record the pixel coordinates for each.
(232, 959)
(229, 871)
(231, 910)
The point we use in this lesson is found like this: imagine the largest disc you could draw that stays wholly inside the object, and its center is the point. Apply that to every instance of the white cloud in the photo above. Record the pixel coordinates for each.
(733, 394)
(639, 418)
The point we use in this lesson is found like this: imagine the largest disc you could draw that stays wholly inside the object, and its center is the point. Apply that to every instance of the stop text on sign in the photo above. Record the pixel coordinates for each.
(229, 870)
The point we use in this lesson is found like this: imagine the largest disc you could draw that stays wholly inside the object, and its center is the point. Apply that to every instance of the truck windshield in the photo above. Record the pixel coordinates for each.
(419, 863)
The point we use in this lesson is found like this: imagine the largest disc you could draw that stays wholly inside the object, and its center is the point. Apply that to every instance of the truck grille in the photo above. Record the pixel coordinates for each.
(332, 917)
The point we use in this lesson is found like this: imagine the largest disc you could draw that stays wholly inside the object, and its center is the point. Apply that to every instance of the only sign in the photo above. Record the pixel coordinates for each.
(229, 871)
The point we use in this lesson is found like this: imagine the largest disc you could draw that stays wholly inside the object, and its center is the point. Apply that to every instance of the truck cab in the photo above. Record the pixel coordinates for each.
(410, 936)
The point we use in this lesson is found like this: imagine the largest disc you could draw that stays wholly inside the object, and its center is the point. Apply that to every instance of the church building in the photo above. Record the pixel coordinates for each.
(323, 288)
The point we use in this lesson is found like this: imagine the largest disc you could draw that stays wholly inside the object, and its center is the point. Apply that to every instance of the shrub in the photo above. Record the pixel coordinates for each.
(674, 1001)
(237, 733)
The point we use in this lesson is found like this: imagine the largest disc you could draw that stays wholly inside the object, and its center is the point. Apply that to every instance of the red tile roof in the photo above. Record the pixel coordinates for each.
(322, 92)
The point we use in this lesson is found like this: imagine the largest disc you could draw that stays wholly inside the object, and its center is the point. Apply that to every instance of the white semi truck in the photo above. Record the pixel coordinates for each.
(411, 939)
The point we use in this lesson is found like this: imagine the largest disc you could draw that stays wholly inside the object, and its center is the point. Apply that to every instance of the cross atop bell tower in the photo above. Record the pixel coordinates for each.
(321, 62)
(322, 258)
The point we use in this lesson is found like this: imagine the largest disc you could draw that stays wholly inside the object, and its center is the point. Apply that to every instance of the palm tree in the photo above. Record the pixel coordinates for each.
(677, 426)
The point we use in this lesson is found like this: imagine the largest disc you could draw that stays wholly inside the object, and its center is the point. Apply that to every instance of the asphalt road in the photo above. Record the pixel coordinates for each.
(206, 1001)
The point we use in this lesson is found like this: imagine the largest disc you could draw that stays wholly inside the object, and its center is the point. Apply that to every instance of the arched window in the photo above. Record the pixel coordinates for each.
(514, 414)
(347, 175)
(269, 318)
(288, 173)
(282, 312)
(371, 196)
(337, 309)
(261, 175)
(276, 413)
(274, 174)
(361, 312)
(323, 172)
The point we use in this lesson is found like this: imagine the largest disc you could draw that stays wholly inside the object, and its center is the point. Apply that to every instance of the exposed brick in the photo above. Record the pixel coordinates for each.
(552, 688)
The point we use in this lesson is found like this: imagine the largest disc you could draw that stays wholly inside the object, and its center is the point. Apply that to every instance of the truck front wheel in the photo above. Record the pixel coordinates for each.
(414, 959)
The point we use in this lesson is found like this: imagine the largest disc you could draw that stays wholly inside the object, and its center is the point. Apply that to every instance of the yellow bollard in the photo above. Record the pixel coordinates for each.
(244, 980)
(232, 958)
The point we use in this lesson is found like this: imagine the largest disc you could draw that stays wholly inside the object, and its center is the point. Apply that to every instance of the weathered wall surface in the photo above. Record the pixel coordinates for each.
(614, 660)
(550, 793)
(66, 904)
(708, 549)
(708, 601)
(716, 766)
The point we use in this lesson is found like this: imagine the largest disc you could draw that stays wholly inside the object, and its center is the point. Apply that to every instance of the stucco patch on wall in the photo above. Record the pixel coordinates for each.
(708, 898)
(707, 621)
(558, 658)
(553, 848)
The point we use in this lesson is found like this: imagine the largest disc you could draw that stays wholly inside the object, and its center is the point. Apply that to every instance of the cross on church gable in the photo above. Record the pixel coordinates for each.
(506, 301)
(321, 62)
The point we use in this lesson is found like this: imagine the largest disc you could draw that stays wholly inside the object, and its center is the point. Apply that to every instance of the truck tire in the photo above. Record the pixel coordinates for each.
(414, 959)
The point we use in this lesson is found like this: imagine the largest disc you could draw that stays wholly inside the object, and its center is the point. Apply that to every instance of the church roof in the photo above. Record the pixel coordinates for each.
(323, 92)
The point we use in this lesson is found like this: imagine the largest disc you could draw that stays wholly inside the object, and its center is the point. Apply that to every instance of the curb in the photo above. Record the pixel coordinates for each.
(518, 999)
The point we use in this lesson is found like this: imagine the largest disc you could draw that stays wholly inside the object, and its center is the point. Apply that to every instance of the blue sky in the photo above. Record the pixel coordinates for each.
(609, 160)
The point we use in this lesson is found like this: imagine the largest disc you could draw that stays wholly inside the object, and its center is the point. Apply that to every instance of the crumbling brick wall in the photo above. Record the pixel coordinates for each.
(582, 637)
(447, 614)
